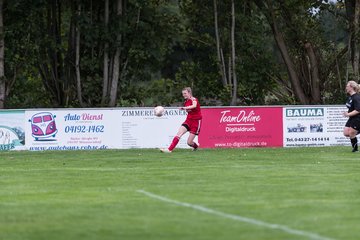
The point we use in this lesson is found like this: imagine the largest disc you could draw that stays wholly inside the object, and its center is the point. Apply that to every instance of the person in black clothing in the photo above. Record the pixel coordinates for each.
(352, 126)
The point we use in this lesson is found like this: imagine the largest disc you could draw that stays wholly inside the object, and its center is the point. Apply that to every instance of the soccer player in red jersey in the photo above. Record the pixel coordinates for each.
(192, 123)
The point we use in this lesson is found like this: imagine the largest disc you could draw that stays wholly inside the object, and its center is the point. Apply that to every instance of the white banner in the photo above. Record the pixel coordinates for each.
(77, 129)
(314, 126)
(72, 129)
(141, 129)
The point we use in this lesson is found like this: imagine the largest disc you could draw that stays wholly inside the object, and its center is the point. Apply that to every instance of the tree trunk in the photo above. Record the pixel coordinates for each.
(220, 62)
(294, 78)
(116, 66)
(314, 74)
(55, 56)
(70, 71)
(233, 56)
(77, 60)
(2, 69)
(230, 73)
(271, 16)
(51, 66)
(224, 67)
(356, 41)
(352, 70)
(105, 91)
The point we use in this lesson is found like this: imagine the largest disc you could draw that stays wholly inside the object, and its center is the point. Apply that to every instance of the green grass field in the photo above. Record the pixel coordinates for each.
(283, 193)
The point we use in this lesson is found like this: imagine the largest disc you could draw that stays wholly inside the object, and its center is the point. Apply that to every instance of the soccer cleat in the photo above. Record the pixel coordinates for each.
(355, 148)
(195, 149)
(165, 150)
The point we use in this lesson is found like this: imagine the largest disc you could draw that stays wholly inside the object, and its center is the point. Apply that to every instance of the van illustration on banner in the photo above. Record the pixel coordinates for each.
(43, 126)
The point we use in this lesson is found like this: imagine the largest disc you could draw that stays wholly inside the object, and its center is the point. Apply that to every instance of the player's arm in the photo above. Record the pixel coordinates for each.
(351, 114)
(194, 104)
(356, 111)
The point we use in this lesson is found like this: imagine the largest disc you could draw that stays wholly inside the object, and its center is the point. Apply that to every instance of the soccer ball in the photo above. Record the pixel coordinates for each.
(159, 111)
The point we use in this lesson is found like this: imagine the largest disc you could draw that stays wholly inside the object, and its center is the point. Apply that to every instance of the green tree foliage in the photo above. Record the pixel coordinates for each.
(24, 84)
(45, 29)
(57, 52)
(253, 49)
(308, 55)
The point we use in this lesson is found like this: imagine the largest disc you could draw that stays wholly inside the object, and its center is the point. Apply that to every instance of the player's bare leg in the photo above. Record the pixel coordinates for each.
(182, 130)
(351, 133)
(191, 143)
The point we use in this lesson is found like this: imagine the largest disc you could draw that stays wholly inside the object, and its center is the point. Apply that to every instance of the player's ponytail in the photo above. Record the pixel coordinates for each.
(355, 86)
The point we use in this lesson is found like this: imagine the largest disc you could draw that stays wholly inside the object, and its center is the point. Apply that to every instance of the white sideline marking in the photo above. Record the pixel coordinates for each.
(235, 217)
(99, 169)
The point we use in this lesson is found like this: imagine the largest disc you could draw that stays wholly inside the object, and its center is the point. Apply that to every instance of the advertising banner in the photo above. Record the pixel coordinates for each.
(12, 134)
(102, 129)
(241, 127)
(314, 126)
(141, 129)
(122, 128)
(72, 129)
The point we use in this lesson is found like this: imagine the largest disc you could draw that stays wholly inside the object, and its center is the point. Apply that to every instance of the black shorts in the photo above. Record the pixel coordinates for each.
(353, 123)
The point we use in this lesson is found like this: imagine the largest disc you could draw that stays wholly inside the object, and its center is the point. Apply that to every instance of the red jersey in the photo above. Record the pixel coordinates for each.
(195, 113)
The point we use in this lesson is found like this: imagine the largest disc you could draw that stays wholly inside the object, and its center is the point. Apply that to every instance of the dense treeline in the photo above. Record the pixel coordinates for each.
(106, 53)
